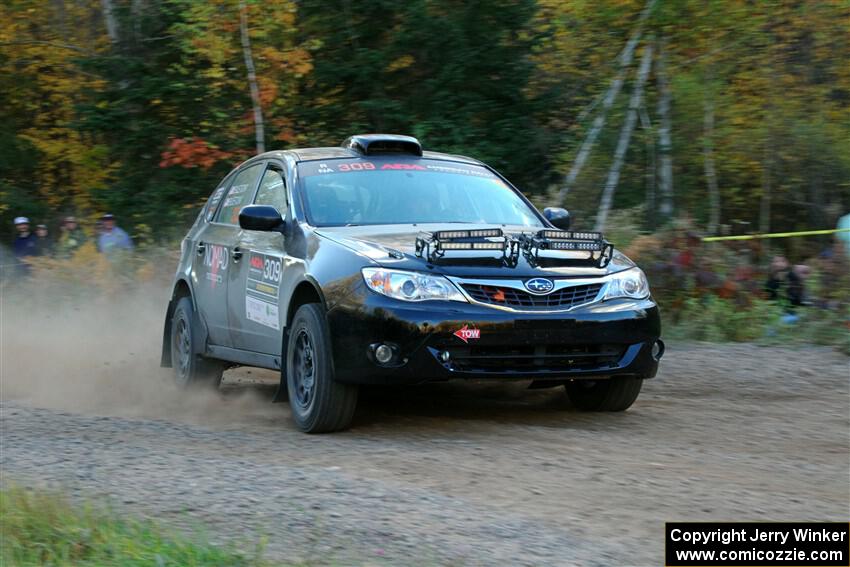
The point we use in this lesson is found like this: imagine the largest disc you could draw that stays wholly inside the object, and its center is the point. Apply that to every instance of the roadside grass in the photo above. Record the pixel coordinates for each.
(43, 528)
(712, 319)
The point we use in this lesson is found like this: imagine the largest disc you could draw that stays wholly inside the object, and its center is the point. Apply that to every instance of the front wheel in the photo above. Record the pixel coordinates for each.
(319, 403)
(612, 394)
(190, 368)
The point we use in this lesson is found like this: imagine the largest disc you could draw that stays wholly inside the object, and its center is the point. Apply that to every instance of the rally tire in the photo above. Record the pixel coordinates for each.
(319, 403)
(612, 394)
(190, 368)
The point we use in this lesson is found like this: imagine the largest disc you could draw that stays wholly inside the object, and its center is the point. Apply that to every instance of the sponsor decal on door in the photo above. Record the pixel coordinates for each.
(215, 259)
(262, 290)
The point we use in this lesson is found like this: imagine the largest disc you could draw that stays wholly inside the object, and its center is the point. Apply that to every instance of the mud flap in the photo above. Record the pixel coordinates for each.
(165, 360)
(282, 393)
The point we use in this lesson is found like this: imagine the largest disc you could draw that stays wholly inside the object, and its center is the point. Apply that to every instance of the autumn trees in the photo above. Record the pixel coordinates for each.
(724, 111)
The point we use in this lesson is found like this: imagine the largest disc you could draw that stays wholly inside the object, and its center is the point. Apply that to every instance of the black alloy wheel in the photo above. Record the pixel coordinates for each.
(190, 368)
(319, 403)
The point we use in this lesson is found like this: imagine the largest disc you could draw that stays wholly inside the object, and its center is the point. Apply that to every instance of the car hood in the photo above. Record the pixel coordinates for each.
(394, 246)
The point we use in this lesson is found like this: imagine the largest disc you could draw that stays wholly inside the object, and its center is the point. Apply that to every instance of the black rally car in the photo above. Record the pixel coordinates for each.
(378, 263)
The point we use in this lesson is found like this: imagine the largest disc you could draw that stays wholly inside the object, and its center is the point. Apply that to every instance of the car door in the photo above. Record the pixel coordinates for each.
(254, 309)
(214, 259)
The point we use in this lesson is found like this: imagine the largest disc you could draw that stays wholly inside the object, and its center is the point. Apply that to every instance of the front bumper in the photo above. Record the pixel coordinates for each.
(598, 340)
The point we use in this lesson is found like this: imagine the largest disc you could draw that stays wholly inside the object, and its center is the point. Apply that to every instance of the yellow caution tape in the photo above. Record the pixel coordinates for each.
(775, 235)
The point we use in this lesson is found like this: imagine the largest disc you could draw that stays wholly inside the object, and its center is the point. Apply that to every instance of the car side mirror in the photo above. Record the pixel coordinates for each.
(558, 217)
(260, 217)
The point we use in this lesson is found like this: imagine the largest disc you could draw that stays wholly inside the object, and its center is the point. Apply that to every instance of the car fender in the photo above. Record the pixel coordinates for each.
(200, 334)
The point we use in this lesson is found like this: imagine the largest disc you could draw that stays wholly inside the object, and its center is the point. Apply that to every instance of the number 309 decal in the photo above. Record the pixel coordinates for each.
(271, 270)
(356, 166)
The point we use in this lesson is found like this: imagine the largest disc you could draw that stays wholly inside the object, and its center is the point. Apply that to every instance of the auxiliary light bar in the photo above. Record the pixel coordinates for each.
(569, 235)
(471, 245)
(587, 245)
(480, 233)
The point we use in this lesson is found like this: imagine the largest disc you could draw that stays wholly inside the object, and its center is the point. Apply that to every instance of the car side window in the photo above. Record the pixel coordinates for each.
(240, 194)
(273, 191)
(215, 198)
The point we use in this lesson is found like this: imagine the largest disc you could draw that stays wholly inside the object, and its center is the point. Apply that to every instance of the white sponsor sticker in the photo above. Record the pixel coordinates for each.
(262, 312)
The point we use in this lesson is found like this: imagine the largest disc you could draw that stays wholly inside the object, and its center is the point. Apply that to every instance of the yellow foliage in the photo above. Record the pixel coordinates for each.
(39, 49)
(402, 62)
(89, 271)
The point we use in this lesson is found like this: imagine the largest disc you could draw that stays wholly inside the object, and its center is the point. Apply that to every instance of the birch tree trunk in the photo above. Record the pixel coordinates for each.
(651, 168)
(665, 173)
(764, 206)
(137, 7)
(259, 128)
(625, 59)
(767, 162)
(110, 21)
(708, 163)
(625, 136)
(61, 18)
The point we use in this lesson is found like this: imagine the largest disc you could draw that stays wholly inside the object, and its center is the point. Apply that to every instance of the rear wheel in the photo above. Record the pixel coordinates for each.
(190, 368)
(612, 394)
(319, 403)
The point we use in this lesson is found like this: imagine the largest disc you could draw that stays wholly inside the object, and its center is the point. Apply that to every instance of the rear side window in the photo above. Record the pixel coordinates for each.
(239, 195)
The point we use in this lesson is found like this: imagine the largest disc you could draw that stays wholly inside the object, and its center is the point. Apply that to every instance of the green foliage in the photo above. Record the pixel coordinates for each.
(144, 124)
(714, 319)
(454, 75)
(624, 225)
(41, 528)
(717, 320)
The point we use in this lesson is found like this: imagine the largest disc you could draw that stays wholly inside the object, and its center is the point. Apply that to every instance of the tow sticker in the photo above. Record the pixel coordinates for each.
(466, 334)
(262, 290)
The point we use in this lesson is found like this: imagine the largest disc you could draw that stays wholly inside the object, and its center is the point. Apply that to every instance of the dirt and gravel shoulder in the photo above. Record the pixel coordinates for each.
(462, 473)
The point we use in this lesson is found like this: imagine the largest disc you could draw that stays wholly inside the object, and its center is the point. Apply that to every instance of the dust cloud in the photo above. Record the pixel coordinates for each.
(99, 354)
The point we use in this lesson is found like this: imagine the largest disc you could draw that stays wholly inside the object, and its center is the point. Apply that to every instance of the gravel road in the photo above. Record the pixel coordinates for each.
(458, 473)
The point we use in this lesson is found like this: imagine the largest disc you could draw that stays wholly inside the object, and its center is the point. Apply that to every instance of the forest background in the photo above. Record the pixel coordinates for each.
(655, 120)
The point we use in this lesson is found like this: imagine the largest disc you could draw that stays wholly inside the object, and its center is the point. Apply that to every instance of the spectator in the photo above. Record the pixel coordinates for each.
(777, 276)
(797, 285)
(785, 282)
(112, 238)
(844, 237)
(98, 230)
(71, 238)
(25, 244)
(42, 240)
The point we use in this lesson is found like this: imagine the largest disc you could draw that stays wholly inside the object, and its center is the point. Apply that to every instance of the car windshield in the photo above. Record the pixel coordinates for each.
(407, 191)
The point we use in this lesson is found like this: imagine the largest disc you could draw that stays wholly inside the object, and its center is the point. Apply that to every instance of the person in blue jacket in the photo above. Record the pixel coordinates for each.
(112, 238)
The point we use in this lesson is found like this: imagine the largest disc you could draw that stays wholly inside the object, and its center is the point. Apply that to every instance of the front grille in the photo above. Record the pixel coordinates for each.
(563, 298)
(535, 358)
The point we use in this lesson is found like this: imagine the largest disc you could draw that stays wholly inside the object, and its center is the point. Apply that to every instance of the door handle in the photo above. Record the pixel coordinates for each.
(201, 248)
(237, 253)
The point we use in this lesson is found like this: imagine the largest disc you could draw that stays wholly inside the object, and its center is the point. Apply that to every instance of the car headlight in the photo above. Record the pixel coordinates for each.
(628, 283)
(410, 286)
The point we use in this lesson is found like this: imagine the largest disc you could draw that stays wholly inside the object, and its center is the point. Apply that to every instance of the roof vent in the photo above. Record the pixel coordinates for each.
(374, 144)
